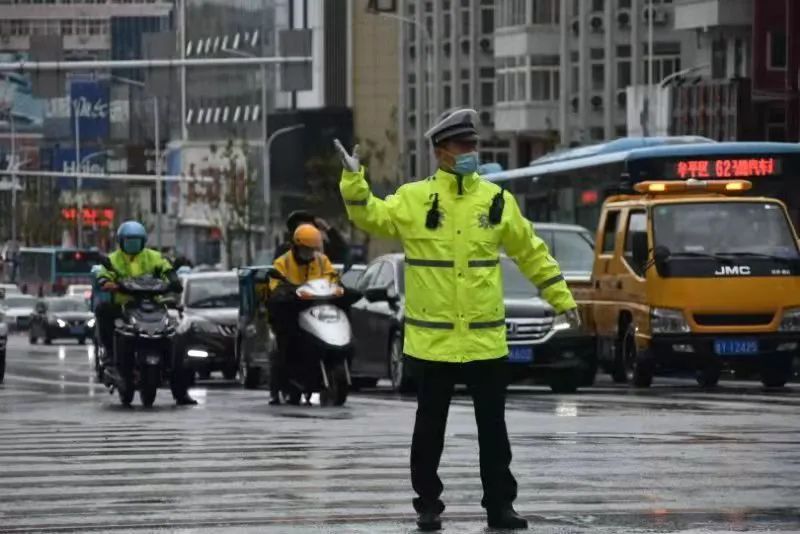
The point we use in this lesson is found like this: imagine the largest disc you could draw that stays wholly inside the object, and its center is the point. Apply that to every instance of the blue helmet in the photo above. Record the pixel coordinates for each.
(131, 237)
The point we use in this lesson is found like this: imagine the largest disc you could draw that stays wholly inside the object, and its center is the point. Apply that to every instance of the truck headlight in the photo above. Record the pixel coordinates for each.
(664, 321)
(790, 322)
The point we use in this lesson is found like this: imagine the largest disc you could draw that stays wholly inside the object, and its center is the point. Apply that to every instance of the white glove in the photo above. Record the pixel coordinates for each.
(349, 161)
(573, 318)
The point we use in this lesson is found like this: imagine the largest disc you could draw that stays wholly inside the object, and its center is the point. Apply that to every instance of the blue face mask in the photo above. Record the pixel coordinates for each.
(466, 163)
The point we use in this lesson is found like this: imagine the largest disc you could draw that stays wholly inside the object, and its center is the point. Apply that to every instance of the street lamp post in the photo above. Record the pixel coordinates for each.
(78, 180)
(13, 180)
(267, 174)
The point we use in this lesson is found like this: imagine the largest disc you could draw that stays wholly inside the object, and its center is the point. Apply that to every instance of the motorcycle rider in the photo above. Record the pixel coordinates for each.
(302, 263)
(129, 260)
(333, 242)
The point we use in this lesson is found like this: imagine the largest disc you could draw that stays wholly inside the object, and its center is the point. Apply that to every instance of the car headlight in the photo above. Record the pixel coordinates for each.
(790, 322)
(560, 323)
(60, 323)
(90, 323)
(663, 321)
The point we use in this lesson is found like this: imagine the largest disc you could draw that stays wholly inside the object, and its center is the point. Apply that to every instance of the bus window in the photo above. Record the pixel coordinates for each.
(76, 261)
(610, 232)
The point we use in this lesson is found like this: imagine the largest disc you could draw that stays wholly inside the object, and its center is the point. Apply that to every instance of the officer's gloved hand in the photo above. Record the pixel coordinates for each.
(573, 318)
(350, 162)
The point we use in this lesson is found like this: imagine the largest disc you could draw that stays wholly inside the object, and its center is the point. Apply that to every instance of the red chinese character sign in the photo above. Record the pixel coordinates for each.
(92, 217)
(726, 168)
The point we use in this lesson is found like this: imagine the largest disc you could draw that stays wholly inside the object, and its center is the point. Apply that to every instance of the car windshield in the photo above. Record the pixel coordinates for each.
(515, 285)
(218, 292)
(574, 251)
(67, 305)
(18, 302)
(724, 228)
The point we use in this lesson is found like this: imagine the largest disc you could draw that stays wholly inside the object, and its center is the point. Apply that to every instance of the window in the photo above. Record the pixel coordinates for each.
(487, 94)
(545, 11)
(637, 223)
(385, 277)
(623, 74)
(598, 5)
(465, 96)
(370, 274)
(598, 76)
(719, 59)
(776, 50)
(487, 20)
(574, 251)
(66, 27)
(610, 232)
(465, 22)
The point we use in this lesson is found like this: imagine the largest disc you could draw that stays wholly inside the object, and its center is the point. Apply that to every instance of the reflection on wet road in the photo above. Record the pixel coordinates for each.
(674, 458)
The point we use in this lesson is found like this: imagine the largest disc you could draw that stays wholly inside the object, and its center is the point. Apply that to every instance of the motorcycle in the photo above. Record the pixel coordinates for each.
(322, 351)
(142, 341)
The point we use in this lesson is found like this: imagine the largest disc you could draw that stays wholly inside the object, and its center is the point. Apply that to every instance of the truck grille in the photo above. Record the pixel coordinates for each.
(529, 329)
(718, 319)
(227, 330)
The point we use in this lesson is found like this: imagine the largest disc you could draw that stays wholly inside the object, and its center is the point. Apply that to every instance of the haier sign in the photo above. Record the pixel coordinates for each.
(92, 161)
(89, 101)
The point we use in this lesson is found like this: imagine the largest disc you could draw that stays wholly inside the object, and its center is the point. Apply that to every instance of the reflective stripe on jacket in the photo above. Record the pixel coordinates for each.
(454, 306)
(146, 262)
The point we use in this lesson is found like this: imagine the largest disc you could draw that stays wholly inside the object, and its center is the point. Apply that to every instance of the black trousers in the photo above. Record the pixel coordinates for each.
(486, 381)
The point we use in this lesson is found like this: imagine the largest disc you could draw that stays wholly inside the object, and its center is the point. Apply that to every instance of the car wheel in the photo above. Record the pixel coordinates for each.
(398, 370)
(709, 376)
(204, 374)
(249, 377)
(774, 378)
(564, 382)
(47, 339)
(81, 341)
(638, 370)
(230, 373)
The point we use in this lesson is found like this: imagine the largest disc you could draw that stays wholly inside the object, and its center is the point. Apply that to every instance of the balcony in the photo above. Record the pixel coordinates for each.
(531, 117)
(702, 14)
(523, 40)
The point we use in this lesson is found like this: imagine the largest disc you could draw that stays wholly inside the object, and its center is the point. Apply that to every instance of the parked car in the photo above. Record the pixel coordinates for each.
(572, 246)
(207, 329)
(17, 310)
(352, 276)
(61, 318)
(541, 345)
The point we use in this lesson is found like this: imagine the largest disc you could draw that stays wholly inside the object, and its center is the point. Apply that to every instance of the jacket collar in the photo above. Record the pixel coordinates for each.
(448, 182)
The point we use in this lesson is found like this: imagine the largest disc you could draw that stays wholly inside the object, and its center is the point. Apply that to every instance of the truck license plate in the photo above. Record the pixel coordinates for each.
(521, 355)
(735, 347)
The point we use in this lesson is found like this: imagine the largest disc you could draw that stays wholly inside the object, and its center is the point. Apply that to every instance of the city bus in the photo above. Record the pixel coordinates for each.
(51, 269)
(570, 186)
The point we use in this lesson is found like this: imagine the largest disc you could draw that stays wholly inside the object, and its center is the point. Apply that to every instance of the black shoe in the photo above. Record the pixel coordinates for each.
(186, 400)
(507, 518)
(429, 521)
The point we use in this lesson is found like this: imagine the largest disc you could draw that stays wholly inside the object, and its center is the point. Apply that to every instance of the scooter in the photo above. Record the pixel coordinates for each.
(322, 352)
(142, 341)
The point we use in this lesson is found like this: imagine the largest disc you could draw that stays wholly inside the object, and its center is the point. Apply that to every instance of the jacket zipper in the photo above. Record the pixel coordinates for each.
(460, 180)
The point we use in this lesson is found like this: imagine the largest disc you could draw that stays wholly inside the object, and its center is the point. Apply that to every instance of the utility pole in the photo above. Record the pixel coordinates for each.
(13, 165)
(159, 198)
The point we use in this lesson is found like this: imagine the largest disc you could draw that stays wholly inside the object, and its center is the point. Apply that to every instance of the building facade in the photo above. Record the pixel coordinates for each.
(563, 67)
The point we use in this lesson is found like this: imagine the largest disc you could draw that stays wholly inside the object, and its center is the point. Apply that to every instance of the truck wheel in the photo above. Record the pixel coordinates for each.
(398, 370)
(564, 382)
(151, 379)
(709, 377)
(774, 378)
(638, 370)
(336, 394)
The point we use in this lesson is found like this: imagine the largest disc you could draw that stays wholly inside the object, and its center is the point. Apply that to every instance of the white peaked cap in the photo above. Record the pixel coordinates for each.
(454, 123)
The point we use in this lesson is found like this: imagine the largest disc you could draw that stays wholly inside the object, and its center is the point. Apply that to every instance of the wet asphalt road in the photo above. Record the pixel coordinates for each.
(671, 459)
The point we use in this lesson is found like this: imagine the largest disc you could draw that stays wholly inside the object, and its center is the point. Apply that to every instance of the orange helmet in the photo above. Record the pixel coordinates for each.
(307, 235)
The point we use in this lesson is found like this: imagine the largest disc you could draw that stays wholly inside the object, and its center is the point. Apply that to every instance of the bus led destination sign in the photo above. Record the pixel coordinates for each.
(726, 168)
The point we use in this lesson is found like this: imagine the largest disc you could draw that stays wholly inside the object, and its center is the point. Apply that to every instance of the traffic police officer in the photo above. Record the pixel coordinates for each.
(452, 226)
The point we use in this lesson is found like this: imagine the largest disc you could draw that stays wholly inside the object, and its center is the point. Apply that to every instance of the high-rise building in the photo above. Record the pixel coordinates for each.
(563, 67)
(446, 61)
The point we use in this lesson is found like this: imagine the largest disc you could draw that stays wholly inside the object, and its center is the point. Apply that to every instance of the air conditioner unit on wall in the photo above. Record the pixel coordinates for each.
(596, 23)
(624, 18)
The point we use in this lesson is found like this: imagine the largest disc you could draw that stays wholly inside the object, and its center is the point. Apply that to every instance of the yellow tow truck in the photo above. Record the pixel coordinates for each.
(692, 276)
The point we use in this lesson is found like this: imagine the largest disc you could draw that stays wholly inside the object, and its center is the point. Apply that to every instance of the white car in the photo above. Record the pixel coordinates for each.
(79, 290)
(17, 310)
(9, 289)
